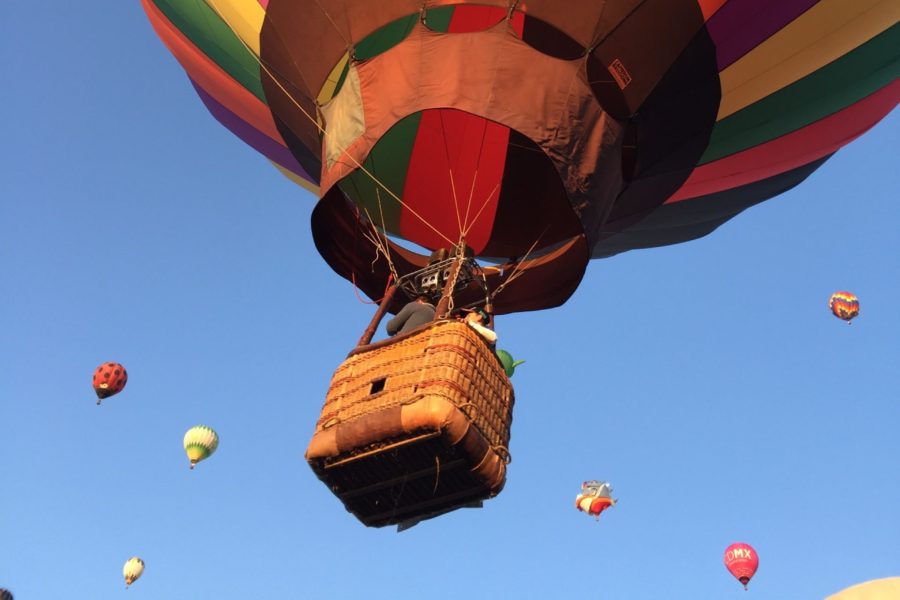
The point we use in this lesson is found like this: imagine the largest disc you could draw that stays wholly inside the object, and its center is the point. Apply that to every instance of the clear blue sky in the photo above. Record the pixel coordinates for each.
(707, 381)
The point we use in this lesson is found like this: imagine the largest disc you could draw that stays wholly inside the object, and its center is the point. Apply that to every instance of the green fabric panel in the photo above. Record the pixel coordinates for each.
(200, 24)
(385, 38)
(822, 93)
(438, 19)
(392, 34)
(388, 162)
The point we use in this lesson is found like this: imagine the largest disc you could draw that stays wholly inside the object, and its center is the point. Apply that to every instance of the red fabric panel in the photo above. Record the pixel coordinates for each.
(472, 148)
(793, 150)
(468, 18)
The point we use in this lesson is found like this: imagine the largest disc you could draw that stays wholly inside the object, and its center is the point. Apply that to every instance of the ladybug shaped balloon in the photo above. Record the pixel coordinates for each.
(741, 561)
(109, 379)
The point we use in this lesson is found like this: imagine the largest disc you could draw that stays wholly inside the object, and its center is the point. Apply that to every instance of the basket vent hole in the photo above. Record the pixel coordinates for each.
(377, 385)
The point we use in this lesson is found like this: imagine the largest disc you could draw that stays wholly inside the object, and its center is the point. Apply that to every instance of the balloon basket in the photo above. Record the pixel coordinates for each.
(415, 425)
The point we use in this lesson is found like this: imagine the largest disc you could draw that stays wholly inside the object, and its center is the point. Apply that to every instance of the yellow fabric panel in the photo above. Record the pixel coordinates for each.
(327, 91)
(822, 34)
(306, 185)
(244, 17)
(877, 589)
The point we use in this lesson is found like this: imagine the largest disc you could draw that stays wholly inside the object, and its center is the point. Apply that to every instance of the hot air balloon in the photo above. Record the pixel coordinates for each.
(741, 561)
(523, 139)
(5, 594)
(133, 569)
(109, 379)
(595, 497)
(199, 443)
(876, 589)
(844, 305)
(509, 364)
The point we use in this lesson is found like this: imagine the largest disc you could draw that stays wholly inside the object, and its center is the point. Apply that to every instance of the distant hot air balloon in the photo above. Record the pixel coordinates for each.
(509, 365)
(133, 569)
(199, 443)
(844, 305)
(5, 594)
(109, 379)
(595, 497)
(741, 561)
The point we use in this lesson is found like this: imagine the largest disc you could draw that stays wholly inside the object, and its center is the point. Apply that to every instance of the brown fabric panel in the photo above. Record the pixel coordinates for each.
(646, 43)
(457, 429)
(283, 93)
(548, 280)
(319, 32)
(546, 99)
(431, 413)
(376, 426)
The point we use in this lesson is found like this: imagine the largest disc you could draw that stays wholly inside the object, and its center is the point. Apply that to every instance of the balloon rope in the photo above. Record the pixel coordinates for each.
(450, 172)
(268, 71)
(480, 210)
(484, 125)
(333, 24)
(518, 271)
(360, 298)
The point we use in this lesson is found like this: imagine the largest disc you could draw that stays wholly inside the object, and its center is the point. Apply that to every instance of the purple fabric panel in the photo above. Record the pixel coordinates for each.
(252, 136)
(741, 25)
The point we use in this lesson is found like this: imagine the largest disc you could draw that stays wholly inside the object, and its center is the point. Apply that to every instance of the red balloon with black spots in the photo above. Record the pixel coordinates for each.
(109, 379)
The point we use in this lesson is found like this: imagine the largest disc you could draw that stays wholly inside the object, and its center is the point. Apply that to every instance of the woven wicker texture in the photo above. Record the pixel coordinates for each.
(415, 426)
(447, 359)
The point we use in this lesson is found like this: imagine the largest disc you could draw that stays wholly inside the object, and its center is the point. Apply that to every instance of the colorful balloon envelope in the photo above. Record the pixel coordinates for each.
(547, 133)
(109, 379)
(595, 497)
(844, 305)
(741, 561)
(199, 443)
(133, 569)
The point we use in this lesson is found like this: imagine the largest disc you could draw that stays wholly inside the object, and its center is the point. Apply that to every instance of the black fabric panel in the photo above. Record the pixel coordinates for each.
(691, 219)
(670, 133)
(299, 131)
(309, 160)
(551, 41)
(533, 206)
(643, 46)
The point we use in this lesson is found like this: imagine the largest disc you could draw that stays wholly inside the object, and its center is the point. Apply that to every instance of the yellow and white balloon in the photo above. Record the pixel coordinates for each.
(199, 443)
(133, 569)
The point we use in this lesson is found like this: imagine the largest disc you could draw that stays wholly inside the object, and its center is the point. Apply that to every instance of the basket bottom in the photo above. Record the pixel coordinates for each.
(419, 476)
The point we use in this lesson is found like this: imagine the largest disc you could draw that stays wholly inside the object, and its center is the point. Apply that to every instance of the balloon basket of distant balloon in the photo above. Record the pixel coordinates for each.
(415, 425)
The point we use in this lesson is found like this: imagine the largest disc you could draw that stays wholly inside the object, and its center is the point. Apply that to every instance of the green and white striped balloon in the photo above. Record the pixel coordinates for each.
(199, 443)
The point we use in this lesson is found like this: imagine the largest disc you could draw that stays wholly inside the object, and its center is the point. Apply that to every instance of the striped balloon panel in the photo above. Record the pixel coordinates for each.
(732, 103)
(844, 305)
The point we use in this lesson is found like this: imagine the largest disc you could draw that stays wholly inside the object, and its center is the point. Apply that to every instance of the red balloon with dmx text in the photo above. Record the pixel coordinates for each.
(741, 561)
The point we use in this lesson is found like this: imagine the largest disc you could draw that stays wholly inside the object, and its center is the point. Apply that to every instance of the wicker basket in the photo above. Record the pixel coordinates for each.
(415, 425)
